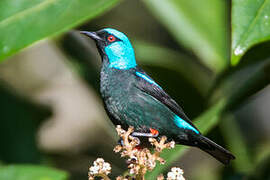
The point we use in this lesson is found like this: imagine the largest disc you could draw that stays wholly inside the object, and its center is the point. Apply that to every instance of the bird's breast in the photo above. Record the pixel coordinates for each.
(115, 87)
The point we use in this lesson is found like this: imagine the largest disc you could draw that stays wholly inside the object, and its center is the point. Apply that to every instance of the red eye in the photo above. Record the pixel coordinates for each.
(111, 38)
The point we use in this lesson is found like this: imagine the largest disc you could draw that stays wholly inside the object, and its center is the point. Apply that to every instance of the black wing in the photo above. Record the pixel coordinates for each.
(153, 89)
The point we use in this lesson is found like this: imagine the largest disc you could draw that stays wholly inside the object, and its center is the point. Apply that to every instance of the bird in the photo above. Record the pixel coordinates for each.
(132, 98)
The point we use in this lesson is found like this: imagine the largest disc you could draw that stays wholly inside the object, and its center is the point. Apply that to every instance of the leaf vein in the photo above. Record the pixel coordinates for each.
(251, 25)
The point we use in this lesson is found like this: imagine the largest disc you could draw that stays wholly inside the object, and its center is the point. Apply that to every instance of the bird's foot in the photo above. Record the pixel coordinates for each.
(152, 134)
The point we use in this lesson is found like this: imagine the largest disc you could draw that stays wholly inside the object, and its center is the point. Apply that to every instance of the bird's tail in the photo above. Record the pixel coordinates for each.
(215, 150)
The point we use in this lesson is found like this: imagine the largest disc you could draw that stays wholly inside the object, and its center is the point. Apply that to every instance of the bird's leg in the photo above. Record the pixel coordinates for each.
(152, 134)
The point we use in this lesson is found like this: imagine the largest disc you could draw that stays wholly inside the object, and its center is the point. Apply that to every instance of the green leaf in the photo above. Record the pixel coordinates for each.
(235, 140)
(198, 25)
(31, 172)
(250, 26)
(25, 22)
(245, 80)
(205, 123)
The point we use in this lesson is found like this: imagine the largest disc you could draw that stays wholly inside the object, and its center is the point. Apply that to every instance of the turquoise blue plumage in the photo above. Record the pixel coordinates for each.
(132, 98)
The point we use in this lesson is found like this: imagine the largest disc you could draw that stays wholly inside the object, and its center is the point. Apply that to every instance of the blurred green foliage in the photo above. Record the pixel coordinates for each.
(212, 89)
(24, 22)
(199, 26)
(31, 172)
(20, 121)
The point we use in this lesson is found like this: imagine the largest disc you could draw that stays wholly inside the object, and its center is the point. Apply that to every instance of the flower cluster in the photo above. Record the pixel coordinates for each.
(175, 174)
(139, 160)
(100, 168)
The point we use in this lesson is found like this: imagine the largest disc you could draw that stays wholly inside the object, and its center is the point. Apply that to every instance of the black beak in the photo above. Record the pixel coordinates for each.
(92, 35)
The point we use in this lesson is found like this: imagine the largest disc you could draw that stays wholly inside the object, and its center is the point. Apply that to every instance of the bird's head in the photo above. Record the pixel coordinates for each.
(115, 46)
